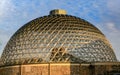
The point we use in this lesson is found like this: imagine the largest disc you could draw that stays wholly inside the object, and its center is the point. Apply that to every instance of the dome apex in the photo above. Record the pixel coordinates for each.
(58, 12)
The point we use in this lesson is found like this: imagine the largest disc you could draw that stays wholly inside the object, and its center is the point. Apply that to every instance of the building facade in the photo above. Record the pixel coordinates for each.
(62, 69)
(58, 44)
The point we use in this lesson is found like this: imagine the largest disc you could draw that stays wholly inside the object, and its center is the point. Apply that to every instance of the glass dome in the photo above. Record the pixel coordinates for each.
(57, 38)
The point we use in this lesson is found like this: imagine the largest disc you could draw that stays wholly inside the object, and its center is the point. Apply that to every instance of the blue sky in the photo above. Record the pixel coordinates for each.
(104, 14)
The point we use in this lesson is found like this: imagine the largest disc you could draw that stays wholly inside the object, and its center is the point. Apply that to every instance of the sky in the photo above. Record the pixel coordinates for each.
(104, 14)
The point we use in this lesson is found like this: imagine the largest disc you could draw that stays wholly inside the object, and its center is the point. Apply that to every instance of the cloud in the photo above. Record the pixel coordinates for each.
(113, 6)
(6, 7)
(112, 27)
(4, 37)
(0, 42)
(113, 11)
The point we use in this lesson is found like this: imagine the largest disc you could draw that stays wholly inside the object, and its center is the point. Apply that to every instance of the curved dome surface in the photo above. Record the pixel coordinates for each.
(57, 38)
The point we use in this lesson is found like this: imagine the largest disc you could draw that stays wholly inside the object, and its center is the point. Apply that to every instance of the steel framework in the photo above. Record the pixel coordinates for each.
(57, 38)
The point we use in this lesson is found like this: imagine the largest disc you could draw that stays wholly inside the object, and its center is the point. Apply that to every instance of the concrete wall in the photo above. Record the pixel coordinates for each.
(10, 70)
(62, 69)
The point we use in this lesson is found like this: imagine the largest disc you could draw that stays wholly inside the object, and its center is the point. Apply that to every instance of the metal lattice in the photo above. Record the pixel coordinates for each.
(57, 38)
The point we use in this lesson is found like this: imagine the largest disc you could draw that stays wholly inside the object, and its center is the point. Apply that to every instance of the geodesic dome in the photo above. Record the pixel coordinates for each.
(57, 38)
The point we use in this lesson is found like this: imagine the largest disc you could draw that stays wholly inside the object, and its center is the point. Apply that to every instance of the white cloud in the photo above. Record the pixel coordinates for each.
(112, 27)
(4, 37)
(6, 7)
(113, 6)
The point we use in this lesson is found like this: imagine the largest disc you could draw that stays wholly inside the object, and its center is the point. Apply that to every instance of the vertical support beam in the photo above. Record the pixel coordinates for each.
(92, 69)
(19, 69)
(49, 69)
